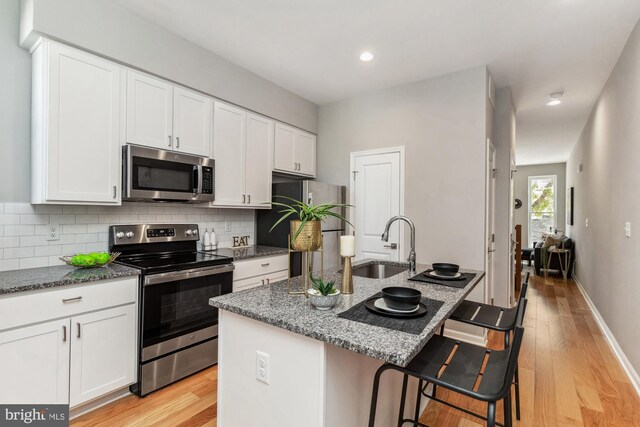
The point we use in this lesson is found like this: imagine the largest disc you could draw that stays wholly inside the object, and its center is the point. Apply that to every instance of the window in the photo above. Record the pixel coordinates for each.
(542, 206)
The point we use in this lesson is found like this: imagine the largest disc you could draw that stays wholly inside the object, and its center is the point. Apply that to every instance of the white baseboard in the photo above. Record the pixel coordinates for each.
(611, 339)
(480, 340)
(98, 402)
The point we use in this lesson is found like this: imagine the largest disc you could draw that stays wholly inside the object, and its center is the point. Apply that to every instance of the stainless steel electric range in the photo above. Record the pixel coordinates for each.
(178, 327)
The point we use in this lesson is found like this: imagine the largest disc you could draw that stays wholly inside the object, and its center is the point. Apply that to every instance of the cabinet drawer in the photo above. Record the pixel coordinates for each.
(34, 307)
(260, 266)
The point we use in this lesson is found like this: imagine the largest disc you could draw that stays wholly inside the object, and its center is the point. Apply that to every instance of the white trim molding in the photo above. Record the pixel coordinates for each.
(611, 339)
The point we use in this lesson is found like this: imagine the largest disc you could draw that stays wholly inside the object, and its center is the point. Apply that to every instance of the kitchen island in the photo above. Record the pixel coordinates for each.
(319, 367)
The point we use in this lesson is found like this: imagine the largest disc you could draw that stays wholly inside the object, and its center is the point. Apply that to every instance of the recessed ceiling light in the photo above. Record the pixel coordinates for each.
(555, 99)
(366, 56)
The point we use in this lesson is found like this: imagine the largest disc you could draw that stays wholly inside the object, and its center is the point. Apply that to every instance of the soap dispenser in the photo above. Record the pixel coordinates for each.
(206, 240)
(213, 239)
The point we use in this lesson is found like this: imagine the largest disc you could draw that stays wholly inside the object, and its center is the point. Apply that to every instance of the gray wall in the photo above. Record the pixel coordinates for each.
(441, 124)
(112, 31)
(15, 108)
(504, 126)
(606, 193)
(521, 183)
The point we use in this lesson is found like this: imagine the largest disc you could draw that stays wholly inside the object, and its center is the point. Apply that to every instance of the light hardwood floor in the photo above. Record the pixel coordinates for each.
(569, 377)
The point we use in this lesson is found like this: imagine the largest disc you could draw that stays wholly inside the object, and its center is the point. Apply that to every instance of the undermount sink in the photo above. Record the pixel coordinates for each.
(378, 270)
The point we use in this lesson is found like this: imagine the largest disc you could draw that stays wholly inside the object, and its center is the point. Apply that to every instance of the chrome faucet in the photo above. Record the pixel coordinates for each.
(412, 253)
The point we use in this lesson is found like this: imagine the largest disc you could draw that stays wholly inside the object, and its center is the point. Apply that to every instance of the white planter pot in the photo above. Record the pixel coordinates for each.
(323, 302)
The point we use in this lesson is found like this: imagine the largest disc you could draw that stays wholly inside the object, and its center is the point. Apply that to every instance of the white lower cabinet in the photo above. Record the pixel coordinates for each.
(260, 271)
(35, 364)
(75, 358)
(103, 348)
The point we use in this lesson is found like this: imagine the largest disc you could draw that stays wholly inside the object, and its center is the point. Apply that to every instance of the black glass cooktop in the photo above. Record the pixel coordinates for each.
(157, 263)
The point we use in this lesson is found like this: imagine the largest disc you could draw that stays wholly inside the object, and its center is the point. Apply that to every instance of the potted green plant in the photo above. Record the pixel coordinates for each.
(306, 230)
(322, 295)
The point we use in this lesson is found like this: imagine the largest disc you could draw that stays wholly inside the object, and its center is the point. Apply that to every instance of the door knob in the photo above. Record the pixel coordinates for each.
(391, 246)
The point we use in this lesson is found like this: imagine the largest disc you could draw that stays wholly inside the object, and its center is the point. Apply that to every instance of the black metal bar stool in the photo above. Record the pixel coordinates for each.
(495, 318)
(471, 370)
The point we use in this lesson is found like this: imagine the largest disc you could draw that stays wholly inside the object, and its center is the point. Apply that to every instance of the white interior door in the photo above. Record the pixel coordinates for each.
(376, 180)
(491, 189)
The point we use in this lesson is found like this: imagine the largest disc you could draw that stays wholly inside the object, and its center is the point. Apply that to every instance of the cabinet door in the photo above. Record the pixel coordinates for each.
(248, 283)
(228, 153)
(276, 276)
(35, 364)
(82, 145)
(191, 122)
(258, 161)
(103, 352)
(149, 111)
(283, 148)
(304, 153)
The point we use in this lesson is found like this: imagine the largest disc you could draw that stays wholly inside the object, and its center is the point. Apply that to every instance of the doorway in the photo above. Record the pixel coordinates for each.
(377, 194)
(491, 220)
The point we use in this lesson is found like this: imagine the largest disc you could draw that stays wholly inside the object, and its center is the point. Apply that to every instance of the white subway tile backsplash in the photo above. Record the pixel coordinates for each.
(9, 219)
(74, 228)
(34, 219)
(87, 219)
(9, 253)
(23, 228)
(9, 264)
(48, 250)
(34, 262)
(87, 238)
(19, 230)
(49, 209)
(19, 208)
(36, 240)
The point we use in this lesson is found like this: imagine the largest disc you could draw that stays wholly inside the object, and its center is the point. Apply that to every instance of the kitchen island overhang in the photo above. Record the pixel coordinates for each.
(321, 366)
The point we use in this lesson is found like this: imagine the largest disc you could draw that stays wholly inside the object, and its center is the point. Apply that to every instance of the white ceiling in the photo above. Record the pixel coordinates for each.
(312, 48)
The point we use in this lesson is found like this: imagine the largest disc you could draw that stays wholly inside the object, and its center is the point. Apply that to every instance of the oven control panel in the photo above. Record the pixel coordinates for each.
(152, 233)
(161, 232)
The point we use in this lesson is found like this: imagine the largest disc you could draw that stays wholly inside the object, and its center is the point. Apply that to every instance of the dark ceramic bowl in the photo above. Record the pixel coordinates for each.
(400, 298)
(445, 268)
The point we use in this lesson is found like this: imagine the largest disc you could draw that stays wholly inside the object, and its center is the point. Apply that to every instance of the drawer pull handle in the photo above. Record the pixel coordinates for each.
(67, 300)
(266, 264)
(267, 281)
(79, 335)
(64, 333)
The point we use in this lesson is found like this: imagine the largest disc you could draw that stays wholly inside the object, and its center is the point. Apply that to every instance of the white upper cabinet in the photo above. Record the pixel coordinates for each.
(228, 153)
(258, 160)
(294, 151)
(242, 150)
(165, 116)
(75, 127)
(149, 111)
(192, 122)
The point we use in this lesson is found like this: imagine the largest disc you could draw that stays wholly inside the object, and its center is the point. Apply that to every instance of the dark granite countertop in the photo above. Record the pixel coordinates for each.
(257, 251)
(32, 279)
(272, 304)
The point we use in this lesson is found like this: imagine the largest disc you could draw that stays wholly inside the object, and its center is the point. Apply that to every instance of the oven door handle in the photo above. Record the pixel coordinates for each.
(172, 276)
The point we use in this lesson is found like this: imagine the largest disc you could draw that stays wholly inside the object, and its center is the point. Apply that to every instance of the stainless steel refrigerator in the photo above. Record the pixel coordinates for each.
(332, 228)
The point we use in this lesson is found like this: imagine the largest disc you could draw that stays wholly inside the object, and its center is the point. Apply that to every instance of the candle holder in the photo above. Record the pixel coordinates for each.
(347, 277)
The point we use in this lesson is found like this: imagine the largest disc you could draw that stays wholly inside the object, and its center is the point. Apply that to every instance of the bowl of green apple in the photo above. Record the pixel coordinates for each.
(90, 260)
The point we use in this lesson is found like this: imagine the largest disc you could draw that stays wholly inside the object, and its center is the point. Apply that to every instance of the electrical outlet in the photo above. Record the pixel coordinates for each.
(227, 226)
(53, 232)
(586, 222)
(263, 372)
(627, 229)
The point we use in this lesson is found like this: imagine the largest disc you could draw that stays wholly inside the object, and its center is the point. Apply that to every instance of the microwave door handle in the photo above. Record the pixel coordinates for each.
(198, 188)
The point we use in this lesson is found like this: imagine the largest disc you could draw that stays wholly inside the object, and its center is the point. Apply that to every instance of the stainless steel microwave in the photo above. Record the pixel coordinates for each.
(152, 175)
